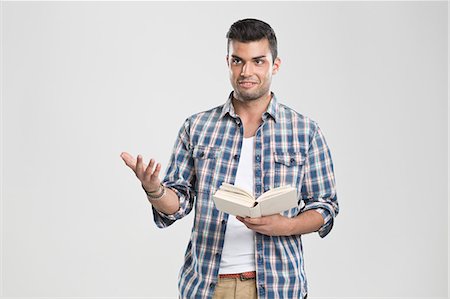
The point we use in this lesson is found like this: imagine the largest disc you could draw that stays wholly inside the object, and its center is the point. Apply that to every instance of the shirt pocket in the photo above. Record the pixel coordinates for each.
(288, 171)
(206, 160)
(203, 152)
(289, 158)
(288, 168)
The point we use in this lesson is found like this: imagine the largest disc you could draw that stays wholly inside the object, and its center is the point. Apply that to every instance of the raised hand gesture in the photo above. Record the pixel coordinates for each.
(148, 175)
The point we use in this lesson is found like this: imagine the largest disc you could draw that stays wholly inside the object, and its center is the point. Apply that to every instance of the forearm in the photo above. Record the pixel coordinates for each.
(279, 225)
(306, 222)
(168, 204)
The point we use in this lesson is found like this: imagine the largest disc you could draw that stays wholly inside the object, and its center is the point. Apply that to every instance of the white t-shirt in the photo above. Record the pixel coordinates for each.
(238, 254)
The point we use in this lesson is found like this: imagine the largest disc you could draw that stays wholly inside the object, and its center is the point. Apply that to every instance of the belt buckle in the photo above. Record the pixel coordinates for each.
(243, 278)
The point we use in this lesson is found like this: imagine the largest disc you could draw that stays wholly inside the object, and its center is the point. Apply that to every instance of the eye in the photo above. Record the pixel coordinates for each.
(259, 61)
(235, 61)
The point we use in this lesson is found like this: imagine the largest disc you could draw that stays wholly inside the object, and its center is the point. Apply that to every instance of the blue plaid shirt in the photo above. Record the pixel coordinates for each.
(289, 149)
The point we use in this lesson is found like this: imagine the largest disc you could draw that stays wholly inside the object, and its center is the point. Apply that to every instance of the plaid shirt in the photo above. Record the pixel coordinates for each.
(289, 149)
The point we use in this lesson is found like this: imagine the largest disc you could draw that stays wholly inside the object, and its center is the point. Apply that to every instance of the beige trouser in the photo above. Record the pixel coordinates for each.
(235, 288)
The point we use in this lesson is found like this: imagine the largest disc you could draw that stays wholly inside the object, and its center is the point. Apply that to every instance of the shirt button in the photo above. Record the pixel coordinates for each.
(223, 222)
(217, 254)
(235, 157)
(292, 160)
(258, 158)
(202, 154)
(211, 285)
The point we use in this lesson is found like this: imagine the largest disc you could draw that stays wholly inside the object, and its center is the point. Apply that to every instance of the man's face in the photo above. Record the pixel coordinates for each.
(251, 68)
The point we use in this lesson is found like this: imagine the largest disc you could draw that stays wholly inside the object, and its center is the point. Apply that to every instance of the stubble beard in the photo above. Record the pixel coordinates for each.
(248, 96)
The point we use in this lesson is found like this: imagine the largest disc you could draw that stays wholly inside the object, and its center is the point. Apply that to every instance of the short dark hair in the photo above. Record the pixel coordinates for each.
(249, 30)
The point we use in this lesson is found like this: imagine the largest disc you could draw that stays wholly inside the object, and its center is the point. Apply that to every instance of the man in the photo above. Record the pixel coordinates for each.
(256, 143)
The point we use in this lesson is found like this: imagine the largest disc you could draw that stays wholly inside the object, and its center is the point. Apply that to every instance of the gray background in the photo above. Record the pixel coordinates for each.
(84, 81)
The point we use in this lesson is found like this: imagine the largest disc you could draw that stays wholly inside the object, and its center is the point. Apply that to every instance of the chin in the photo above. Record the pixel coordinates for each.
(247, 97)
(250, 96)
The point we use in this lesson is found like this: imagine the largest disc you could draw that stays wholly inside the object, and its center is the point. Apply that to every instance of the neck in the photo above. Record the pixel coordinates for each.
(252, 109)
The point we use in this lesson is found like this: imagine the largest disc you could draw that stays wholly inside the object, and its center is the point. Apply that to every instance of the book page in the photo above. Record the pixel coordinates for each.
(283, 202)
(237, 201)
(231, 188)
(230, 207)
(235, 197)
(274, 192)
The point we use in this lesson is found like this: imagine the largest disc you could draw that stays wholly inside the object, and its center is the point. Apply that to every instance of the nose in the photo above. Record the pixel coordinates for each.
(247, 70)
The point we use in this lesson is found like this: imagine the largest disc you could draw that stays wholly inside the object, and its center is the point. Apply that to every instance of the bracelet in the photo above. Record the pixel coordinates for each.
(160, 193)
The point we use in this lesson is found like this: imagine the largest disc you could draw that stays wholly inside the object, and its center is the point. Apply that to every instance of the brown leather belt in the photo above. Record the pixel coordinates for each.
(241, 276)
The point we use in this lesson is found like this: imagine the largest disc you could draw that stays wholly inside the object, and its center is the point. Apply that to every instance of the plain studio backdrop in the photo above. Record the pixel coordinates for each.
(84, 81)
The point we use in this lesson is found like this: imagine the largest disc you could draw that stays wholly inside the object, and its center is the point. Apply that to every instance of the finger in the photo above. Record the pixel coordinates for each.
(151, 166)
(139, 167)
(157, 170)
(252, 226)
(255, 228)
(253, 221)
(129, 160)
(249, 226)
(149, 169)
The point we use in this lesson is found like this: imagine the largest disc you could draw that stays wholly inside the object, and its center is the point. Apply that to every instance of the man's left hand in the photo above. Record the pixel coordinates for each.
(273, 225)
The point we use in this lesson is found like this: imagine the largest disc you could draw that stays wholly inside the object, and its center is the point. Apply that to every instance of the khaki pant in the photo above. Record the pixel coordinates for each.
(235, 288)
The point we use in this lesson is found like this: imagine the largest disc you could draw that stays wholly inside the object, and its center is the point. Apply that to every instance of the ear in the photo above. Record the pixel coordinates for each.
(276, 65)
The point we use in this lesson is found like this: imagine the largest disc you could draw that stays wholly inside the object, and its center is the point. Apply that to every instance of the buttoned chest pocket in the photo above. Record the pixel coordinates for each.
(202, 152)
(205, 162)
(288, 167)
(288, 171)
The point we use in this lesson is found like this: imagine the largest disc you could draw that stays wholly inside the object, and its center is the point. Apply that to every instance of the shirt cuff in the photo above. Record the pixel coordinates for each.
(162, 219)
(328, 217)
(327, 220)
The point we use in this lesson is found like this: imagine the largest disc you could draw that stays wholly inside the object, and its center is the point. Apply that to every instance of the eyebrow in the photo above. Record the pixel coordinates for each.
(254, 58)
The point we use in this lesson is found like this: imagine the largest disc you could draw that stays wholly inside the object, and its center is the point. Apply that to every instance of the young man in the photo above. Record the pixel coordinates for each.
(257, 143)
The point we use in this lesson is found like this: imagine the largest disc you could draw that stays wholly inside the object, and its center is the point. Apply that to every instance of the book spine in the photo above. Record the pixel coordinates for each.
(255, 212)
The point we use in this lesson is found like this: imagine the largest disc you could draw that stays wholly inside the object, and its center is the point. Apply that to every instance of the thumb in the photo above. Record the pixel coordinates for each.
(129, 160)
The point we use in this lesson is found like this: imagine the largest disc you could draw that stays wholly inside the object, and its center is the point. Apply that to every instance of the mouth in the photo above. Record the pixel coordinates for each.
(247, 84)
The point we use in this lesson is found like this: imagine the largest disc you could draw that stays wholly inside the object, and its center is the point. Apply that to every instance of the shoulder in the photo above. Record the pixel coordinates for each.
(204, 117)
(197, 122)
(291, 116)
(213, 112)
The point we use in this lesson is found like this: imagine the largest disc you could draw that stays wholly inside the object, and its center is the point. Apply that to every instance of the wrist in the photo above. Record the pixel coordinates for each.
(151, 191)
(157, 194)
(291, 226)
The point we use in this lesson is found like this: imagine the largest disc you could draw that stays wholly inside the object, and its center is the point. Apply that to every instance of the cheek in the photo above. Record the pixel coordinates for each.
(265, 73)
(235, 72)
(266, 76)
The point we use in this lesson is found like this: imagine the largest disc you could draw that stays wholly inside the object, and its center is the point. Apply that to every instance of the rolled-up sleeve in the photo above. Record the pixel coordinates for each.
(179, 177)
(318, 189)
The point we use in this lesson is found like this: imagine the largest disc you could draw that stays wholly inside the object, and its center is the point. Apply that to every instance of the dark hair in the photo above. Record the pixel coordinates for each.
(249, 30)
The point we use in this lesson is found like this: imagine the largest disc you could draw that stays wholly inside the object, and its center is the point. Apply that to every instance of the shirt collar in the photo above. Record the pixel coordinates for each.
(272, 109)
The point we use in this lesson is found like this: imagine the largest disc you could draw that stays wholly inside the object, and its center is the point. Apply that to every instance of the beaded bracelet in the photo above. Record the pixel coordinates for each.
(159, 193)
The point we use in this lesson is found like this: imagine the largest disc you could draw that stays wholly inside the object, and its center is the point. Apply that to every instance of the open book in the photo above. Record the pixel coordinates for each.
(237, 201)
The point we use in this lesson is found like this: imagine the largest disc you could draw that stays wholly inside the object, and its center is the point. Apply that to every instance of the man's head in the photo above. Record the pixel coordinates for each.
(250, 30)
(252, 59)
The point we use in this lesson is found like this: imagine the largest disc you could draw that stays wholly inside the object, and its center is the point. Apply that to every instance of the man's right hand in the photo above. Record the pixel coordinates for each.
(148, 175)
